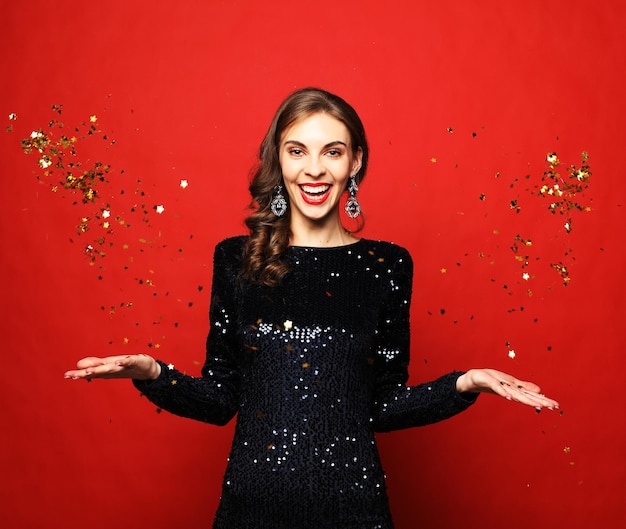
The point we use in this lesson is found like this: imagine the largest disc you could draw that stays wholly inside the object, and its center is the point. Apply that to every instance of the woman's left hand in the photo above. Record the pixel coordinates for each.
(507, 386)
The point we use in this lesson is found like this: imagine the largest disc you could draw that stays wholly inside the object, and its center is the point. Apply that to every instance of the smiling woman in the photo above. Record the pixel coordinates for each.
(315, 173)
(331, 148)
(309, 342)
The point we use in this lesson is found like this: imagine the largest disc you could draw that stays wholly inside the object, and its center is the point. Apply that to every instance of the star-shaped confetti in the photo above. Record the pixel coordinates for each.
(552, 159)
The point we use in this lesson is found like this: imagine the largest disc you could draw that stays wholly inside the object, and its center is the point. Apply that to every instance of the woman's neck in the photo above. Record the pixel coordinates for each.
(321, 238)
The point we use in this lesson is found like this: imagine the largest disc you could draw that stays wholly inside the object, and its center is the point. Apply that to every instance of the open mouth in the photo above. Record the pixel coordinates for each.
(315, 193)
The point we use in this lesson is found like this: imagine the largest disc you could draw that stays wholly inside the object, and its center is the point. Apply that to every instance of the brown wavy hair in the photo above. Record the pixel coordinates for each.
(269, 234)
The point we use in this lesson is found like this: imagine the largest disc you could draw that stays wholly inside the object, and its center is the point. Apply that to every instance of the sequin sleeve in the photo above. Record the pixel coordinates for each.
(396, 405)
(214, 396)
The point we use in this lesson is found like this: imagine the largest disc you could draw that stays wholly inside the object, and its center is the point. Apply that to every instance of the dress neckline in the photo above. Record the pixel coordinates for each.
(327, 248)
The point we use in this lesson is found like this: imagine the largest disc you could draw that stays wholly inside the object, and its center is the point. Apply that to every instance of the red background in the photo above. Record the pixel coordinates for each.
(185, 90)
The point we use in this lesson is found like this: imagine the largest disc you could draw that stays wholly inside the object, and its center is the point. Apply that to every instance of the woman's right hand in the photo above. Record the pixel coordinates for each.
(141, 367)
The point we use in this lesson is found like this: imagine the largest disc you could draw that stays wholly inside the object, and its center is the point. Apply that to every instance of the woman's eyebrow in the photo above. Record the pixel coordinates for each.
(328, 145)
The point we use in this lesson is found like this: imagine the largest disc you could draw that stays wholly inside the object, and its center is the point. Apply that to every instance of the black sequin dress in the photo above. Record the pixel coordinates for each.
(312, 369)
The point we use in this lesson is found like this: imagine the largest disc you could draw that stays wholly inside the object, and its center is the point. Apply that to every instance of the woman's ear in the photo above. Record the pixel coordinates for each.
(357, 161)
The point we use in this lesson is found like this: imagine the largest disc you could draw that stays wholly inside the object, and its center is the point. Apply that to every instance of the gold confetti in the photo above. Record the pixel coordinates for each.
(552, 159)
(565, 191)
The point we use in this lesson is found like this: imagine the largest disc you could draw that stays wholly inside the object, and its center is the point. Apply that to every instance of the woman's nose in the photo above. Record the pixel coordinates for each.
(315, 167)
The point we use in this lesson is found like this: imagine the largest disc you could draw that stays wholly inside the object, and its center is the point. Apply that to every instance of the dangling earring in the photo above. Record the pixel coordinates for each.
(279, 204)
(353, 208)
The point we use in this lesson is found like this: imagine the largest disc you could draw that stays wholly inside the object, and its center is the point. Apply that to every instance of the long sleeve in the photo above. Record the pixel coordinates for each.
(214, 397)
(397, 405)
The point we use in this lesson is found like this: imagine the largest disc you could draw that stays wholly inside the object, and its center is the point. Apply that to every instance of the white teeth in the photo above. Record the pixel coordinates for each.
(315, 190)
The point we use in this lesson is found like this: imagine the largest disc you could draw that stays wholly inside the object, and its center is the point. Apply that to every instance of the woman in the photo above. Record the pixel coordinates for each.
(309, 340)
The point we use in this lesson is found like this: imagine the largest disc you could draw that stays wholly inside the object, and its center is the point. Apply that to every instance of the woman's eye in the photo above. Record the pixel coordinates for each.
(334, 152)
(295, 152)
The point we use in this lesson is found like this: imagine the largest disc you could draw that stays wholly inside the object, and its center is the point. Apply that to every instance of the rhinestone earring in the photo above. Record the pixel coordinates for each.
(278, 204)
(353, 208)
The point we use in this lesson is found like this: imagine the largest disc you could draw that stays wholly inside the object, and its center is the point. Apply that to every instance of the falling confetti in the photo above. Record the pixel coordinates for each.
(116, 228)
(563, 272)
(563, 187)
(564, 193)
(59, 159)
(85, 184)
(63, 168)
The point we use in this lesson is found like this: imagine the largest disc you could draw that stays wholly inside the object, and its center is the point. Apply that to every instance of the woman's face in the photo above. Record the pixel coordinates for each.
(316, 158)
